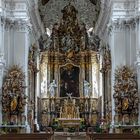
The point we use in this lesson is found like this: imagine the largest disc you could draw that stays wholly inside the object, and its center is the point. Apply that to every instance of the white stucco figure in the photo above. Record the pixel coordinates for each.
(69, 95)
(87, 88)
(52, 88)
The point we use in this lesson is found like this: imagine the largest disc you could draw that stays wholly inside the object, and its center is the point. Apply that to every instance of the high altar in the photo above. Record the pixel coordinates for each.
(69, 71)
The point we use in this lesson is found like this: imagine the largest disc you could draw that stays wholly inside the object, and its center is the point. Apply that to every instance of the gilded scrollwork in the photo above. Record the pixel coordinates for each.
(126, 95)
(106, 64)
(32, 64)
(67, 59)
(13, 92)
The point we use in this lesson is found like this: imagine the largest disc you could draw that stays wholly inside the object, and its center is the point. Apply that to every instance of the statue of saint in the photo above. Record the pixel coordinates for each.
(87, 88)
(125, 104)
(77, 112)
(52, 88)
(61, 111)
(13, 103)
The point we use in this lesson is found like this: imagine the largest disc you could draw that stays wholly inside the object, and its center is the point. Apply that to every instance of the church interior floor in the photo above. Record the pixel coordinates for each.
(69, 136)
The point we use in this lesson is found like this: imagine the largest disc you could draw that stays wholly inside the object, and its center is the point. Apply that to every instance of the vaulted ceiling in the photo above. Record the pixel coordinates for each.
(50, 11)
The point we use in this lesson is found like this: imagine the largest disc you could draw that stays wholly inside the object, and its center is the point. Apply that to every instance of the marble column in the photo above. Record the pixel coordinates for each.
(45, 75)
(101, 89)
(28, 129)
(48, 71)
(37, 93)
(93, 64)
(111, 43)
(56, 73)
(90, 78)
(82, 73)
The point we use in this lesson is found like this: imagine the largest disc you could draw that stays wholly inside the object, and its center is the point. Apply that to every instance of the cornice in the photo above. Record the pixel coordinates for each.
(121, 24)
(16, 24)
(35, 20)
(103, 18)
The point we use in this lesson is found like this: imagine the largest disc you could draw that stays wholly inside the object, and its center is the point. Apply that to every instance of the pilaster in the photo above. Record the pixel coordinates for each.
(138, 79)
(2, 67)
(82, 74)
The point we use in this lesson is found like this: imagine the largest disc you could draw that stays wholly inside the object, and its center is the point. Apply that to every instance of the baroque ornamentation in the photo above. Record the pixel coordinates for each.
(87, 10)
(126, 95)
(13, 92)
(32, 64)
(69, 38)
(106, 64)
(66, 55)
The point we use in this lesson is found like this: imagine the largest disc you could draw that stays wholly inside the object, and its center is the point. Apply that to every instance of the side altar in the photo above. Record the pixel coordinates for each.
(69, 73)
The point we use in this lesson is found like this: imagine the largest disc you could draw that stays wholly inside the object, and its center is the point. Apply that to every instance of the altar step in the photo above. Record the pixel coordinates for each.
(69, 136)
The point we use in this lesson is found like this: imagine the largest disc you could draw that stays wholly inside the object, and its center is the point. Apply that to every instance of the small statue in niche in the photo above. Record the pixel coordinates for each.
(61, 111)
(52, 88)
(13, 103)
(52, 105)
(125, 104)
(87, 89)
(94, 105)
(77, 112)
(86, 106)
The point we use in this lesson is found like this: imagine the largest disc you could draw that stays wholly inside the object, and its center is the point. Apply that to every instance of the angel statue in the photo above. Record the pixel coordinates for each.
(87, 88)
(52, 87)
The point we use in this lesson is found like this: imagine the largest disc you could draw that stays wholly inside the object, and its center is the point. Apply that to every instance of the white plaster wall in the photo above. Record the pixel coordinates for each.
(19, 48)
(133, 49)
(9, 47)
(119, 48)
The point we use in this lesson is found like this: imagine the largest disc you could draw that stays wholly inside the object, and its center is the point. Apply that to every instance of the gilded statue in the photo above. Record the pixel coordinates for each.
(69, 110)
(13, 103)
(125, 104)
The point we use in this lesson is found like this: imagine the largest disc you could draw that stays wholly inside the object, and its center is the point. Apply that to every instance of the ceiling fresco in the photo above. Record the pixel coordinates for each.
(50, 11)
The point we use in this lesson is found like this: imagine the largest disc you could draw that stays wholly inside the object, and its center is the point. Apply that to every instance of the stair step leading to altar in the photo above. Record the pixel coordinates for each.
(69, 136)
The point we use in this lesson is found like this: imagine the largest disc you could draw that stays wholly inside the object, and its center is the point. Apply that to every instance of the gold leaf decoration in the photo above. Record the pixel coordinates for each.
(13, 91)
(32, 64)
(126, 94)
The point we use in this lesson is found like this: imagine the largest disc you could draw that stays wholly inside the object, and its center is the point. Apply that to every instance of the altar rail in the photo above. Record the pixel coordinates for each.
(98, 136)
(33, 136)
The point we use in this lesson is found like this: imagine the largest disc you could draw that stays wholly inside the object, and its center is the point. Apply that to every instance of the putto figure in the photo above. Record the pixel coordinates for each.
(52, 88)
